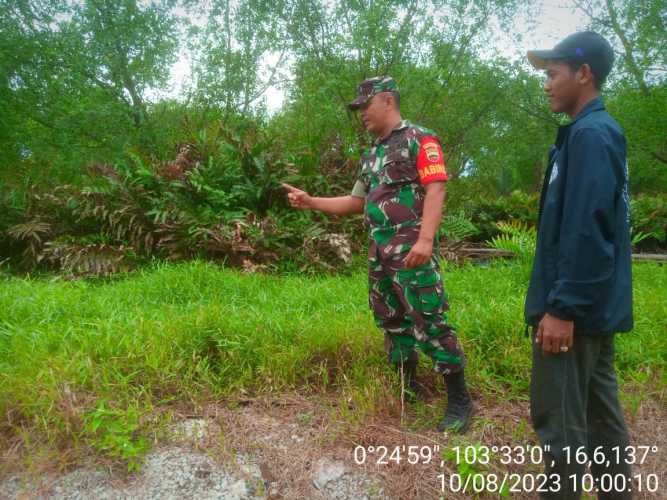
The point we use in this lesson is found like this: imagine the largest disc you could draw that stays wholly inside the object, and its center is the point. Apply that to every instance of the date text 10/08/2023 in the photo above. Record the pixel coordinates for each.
(471, 480)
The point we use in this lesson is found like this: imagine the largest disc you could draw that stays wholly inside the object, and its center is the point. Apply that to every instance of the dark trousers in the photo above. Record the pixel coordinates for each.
(574, 405)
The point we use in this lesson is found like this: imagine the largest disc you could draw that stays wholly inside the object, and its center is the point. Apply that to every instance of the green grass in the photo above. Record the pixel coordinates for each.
(76, 356)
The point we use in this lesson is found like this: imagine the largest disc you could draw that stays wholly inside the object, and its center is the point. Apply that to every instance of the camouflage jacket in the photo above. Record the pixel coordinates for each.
(392, 176)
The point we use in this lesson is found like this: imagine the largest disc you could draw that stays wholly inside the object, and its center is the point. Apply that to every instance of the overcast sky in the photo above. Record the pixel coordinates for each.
(555, 19)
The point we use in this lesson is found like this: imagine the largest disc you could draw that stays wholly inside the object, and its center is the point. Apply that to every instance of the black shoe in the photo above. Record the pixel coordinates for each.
(459, 405)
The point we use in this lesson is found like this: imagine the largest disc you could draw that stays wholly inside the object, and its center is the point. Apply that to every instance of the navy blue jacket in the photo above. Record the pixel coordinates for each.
(582, 268)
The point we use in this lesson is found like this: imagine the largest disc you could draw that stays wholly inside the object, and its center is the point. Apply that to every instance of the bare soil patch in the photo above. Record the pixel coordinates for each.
(304, 447)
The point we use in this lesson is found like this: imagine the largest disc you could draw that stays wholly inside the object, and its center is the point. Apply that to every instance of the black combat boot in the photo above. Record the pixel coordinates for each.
(459, 405)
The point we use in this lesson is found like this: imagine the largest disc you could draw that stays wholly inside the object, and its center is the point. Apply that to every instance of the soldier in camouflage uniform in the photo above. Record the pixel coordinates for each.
(400, 189)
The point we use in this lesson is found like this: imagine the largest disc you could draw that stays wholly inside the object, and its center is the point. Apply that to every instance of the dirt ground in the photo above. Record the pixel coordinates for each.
(305, 447)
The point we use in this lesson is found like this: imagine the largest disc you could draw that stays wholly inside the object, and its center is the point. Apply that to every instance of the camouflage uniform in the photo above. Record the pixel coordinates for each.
(408, 304)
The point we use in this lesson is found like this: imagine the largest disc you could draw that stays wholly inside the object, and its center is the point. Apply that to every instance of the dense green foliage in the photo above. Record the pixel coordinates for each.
(88, 362)
(85, 117)
(219, 199)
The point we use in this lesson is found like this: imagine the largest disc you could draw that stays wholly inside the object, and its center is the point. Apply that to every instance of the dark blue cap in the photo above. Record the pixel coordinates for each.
(585, 47)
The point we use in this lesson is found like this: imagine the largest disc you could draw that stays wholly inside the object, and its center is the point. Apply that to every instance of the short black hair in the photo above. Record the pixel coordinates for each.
(575, 65)
(397, 98)
(396, 95)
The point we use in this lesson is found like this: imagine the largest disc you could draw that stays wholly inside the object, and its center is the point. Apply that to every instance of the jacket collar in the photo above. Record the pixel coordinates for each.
(591, 106)
(401, 125)
(595, 104)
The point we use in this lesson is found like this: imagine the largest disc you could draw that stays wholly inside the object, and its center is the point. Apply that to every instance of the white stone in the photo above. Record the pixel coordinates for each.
(327, 471)
(194, 428)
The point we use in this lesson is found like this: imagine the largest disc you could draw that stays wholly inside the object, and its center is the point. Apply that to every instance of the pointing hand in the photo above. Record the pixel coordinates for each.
(296, 197)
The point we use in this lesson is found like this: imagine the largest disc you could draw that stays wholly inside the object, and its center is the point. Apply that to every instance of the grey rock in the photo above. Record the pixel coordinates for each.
(327, 471)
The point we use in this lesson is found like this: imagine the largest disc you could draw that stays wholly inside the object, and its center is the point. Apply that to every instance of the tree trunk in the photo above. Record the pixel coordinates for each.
(627, 47)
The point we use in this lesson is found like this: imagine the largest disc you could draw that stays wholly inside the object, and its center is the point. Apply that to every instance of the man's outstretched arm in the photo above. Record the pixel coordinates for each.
(339, 205)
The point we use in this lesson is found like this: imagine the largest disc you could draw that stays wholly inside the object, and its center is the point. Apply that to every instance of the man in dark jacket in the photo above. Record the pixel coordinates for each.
(580, 291)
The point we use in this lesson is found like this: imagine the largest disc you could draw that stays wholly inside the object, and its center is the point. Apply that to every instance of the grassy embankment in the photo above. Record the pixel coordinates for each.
(95, 363)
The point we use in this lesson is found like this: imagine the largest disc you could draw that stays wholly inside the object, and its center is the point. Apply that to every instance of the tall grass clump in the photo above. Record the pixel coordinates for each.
(91, 362)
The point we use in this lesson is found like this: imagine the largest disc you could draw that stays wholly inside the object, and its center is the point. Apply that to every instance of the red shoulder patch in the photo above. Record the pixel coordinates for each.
(430, 161)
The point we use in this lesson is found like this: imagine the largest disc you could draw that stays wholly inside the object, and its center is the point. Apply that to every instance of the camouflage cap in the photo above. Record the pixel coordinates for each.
(368, 88)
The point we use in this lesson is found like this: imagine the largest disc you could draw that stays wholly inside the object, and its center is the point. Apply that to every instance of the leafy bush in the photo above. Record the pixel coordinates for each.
(11, 209)
(485, 212)
(649, 217)
(649, 221)
(516, 237)
(458, 227)
(220, 198)
(116, 433)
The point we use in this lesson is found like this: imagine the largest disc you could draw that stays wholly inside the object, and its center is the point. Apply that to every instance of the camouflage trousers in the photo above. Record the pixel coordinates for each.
(410, 306)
